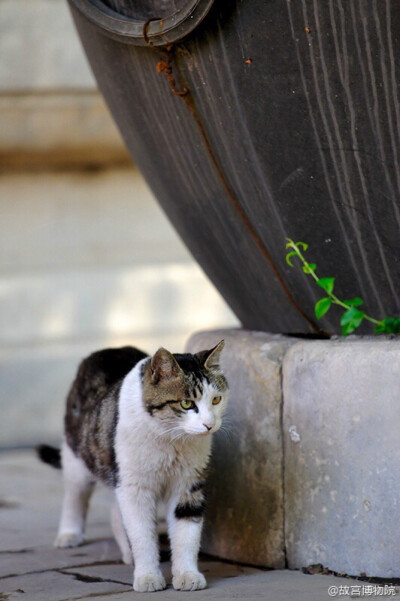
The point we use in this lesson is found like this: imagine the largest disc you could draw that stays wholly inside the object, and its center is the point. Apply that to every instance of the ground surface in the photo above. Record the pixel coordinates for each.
(32, 570)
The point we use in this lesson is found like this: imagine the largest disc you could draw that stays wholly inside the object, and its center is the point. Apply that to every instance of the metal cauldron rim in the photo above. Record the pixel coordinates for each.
(160, 32)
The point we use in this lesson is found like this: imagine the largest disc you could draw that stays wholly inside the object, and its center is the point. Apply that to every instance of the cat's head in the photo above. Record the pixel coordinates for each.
(186, 393)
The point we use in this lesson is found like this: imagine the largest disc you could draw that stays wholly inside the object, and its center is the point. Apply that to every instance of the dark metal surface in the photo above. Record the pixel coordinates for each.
(124, 20)
(290, 128)
(144, 9)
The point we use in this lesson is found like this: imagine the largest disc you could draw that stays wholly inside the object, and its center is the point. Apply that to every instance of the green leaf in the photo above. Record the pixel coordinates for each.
(302, 244)
(309, 267)
(394, 324)
(288, 261)
(351, 314)
(350, 320)
(348, 328)
(327, 284)
(390, 325)
(289, 243)
(354, 302)
(322, 307)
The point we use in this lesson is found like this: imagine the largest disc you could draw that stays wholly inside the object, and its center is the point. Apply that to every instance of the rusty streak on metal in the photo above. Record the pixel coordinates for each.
(165, 66)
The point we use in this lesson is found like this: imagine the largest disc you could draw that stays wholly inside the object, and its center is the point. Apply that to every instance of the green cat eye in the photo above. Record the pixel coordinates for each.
(186, 404)
(216, 400)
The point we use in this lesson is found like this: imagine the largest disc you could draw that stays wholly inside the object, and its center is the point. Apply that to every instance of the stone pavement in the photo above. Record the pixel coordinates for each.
(32, 570)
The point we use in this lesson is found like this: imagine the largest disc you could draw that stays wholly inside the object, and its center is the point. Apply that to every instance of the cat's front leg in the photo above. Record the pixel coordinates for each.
(185, 522)
(138, 511)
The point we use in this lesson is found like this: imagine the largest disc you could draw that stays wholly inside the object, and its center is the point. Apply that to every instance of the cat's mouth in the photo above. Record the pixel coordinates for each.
(208, 432)
(196, 433)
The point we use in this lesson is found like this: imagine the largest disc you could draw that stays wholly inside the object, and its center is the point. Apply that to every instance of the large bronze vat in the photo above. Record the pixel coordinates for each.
(253, 121)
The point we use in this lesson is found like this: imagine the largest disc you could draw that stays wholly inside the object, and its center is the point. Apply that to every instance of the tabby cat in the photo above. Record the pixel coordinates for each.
(142, 426)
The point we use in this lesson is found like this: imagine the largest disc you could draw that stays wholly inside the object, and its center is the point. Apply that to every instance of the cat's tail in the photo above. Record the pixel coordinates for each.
(49, 455)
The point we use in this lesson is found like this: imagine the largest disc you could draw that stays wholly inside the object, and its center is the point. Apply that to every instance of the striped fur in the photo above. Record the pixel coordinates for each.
(142, 425)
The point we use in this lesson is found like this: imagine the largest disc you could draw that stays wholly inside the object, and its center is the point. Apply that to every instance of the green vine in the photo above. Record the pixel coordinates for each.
(352, 316)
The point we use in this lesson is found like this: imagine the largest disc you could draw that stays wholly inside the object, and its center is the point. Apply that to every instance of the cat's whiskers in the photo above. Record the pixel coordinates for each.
(228, 422)
(179, 433)
(229, 433)
(163, 433)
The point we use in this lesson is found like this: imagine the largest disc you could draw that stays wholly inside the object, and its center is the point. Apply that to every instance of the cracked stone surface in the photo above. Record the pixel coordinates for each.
(32, 570)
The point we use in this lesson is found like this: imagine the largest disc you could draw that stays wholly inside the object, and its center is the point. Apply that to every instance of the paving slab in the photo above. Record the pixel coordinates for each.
(244, 520)
(224, 583)
(32, 570)
(96, 552)
(56, 586)
(30, 503)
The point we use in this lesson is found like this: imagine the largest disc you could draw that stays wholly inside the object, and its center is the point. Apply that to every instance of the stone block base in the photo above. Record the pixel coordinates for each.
(342, 455)
(310, 471)
(244, 519)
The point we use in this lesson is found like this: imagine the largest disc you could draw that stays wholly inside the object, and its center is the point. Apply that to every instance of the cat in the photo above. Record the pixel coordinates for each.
(142, 426)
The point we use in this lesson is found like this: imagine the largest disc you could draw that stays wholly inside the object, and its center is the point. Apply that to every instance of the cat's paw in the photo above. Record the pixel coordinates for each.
(148, 583)
(69, 539)
(189, 581)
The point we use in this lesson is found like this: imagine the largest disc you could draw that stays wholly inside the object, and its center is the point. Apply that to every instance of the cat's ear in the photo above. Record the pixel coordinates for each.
(211, 358)
(163, 366)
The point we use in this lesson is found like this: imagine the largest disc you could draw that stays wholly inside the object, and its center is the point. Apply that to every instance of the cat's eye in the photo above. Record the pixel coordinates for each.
(186, 404)
(216, 400)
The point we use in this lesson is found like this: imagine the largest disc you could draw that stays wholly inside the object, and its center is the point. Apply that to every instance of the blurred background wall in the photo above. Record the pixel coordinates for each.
(87, 258)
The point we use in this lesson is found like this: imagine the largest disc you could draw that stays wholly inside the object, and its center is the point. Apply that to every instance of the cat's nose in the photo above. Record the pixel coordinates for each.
(208, 427)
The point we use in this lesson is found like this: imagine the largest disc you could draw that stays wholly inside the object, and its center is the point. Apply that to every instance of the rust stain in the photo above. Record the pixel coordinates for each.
(165, 66)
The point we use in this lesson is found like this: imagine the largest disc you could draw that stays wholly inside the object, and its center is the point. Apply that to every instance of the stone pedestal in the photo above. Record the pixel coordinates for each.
(342, 455)
(244, 519)
(311, 468)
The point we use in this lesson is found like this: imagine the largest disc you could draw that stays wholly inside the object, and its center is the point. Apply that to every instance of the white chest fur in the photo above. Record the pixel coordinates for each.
(146, 456)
